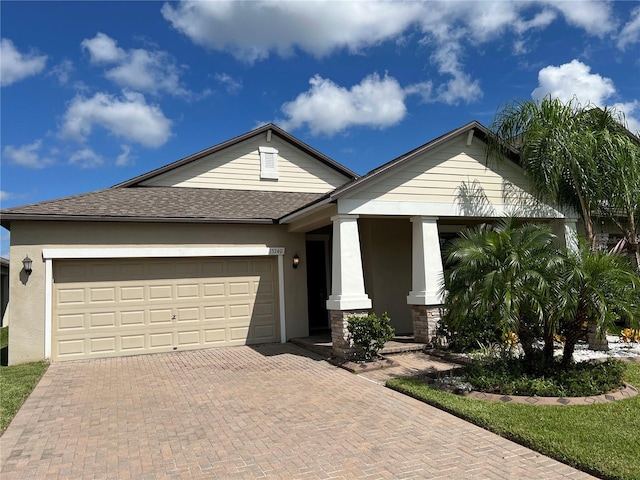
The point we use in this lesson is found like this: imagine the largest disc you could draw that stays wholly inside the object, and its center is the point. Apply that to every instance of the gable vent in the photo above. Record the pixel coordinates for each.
(268, 163)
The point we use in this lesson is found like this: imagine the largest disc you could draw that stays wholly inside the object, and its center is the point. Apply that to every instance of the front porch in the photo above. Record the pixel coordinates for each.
(323, 346)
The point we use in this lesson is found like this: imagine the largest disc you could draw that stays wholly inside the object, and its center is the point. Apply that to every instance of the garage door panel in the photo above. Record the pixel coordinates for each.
(71, 321)
(71, 295)
(73, 347)
(188, 291)
(102, 345)
(104, 319)
(123, 307)
(129, 343)
(131, 294)
(164, 315)
(214, 312)
(161, 340)
(264, 333)
(132, 318)
(214, 336)
(189, 338)
(239, 311)
(263, 310)
(214, 290)
(189, 314)
(160, 292)
(239, 288)
(102, 294)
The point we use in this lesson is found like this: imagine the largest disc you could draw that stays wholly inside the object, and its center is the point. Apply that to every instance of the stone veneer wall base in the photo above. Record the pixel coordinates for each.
(342, 347)
(425, 322)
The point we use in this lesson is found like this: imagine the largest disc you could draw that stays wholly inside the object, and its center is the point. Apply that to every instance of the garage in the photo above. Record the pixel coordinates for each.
(130, 306)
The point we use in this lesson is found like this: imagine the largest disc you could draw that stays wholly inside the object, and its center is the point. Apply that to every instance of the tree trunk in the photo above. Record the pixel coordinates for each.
(547, 356)
(572, 335)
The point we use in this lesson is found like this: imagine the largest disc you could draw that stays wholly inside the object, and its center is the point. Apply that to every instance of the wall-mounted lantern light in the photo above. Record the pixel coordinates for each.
(296, 261)
(27, 263)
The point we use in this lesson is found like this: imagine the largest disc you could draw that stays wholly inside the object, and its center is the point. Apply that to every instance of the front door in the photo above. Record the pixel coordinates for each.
(317, 286)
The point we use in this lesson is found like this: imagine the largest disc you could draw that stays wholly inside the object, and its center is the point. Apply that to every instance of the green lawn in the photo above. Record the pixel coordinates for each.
(16, 383)
(601, 439)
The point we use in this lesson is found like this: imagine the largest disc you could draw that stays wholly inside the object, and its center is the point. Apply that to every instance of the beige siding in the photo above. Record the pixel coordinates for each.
(27, 294)
(238, 168)
(386, 259)
(454, 173)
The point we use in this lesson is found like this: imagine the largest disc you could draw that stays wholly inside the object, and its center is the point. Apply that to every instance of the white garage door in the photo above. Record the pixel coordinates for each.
(105, 308)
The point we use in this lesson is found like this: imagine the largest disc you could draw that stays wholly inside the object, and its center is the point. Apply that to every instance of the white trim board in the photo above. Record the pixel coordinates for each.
(435, 209)
(160, 252)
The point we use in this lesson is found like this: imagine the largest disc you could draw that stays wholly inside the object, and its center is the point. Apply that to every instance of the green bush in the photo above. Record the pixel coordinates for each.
(369, 334)
(517, 377)
(468, 336)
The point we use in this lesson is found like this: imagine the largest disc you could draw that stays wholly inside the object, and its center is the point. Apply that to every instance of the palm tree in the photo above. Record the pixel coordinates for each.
(597, 288)
(553, 152)
(576, 156)
(618, 173)
(507, 274)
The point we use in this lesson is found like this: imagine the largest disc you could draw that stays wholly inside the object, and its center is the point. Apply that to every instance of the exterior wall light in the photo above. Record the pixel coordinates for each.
(296, 261)
(27, 263)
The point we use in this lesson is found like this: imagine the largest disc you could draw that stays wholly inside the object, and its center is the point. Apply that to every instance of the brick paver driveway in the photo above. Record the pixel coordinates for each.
(269, 411)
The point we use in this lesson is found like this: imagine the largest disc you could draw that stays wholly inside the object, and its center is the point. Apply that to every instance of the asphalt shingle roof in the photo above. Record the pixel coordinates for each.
(167, 203)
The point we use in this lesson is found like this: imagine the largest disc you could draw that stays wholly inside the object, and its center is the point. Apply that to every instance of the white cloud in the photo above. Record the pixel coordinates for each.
(230, 84)
(251, 30)
(573, 79)
(137, 69)
(327, 108)
(26, 155)
(128, 116)
(631, 31)
(125, 158)
(62, 71)
(593, 16)
(86, 158)
(103, 49)
(16, 66)
(631, 112)
(4, 195)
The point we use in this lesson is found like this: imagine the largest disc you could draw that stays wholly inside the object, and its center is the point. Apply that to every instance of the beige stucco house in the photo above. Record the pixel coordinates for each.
(258, 239)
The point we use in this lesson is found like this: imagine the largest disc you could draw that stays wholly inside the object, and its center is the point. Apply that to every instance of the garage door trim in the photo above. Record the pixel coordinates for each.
(50, 254)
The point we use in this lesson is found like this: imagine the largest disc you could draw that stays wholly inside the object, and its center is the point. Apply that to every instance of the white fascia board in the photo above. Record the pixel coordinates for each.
(291, 217)
(159, 252)
(436, 209)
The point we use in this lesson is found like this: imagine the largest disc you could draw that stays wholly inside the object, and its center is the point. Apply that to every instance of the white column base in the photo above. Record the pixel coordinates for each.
(424, 298)
(348, 302)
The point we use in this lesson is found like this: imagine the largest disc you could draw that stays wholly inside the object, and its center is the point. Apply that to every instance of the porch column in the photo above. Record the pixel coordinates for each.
(425, 297)
(571, 234)
(347, 287)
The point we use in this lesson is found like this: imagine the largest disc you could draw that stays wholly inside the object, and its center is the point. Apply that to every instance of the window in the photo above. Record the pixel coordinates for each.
(268, 163)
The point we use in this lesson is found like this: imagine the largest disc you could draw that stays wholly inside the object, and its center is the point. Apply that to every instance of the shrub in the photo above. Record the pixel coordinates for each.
(466, 336)
(369, 334)
(516, 377)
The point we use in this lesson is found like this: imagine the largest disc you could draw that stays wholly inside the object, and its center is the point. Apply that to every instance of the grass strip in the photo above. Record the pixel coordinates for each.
(16, 383)
(599, 439)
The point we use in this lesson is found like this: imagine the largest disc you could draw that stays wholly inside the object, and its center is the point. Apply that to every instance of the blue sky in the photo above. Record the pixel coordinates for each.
(94, 93)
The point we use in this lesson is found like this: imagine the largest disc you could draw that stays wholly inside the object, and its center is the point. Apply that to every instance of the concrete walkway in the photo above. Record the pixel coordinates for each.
(273, 411)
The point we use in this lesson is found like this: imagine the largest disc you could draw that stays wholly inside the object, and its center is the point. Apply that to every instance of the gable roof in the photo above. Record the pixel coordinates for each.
(234, 141)
(166, 204)
(130, 201)
(474, 126)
